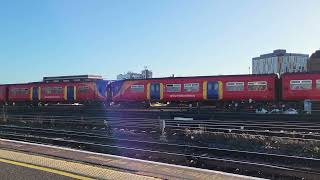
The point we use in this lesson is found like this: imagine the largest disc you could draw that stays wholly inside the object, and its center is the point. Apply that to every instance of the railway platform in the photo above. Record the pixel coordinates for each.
(18, 172)
(36, 161)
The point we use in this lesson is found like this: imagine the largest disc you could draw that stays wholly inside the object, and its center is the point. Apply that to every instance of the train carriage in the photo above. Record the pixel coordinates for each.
(300, 87)
(83, 92)
(19, 93)
(250, 87)
(71, 92)
(197, 89)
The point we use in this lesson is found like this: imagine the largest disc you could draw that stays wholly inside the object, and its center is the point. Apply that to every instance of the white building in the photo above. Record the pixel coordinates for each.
(279, 62)
(145, 74)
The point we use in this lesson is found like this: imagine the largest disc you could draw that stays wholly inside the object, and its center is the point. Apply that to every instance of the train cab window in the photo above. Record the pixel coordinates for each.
(235, 86)
(191, 87)
(257, 86)
(318, 84)
(53, 90)
(301, 84)
(83, 89)
(137, 88)
(173, 88)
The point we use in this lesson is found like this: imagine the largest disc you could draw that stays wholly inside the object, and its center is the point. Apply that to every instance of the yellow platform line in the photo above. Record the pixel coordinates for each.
(45, 169)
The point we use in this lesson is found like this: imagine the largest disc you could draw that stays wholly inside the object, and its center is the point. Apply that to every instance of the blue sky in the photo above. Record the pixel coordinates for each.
(182, 37)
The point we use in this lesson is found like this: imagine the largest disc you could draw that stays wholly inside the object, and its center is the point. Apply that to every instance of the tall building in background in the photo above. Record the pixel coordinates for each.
(279, 62)
(314, 62)
(145, 74)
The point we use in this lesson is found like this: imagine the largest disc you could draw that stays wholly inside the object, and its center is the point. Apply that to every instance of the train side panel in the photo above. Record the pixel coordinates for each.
(74, 92)
(129, 91)
(182, 90)
(55, 92)
(100, 90)
(257, 88)
(19, 93)
(195, 89)
(300, 87)
(85, 92)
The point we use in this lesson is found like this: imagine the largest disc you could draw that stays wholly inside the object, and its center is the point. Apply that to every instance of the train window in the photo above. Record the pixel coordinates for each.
(53, 90)
(23, 91)
(173, 88)
(257, 86)
(157, 88)
(318, 84)
(137, 88)
(301, 84)
(191, 87)
(235, 86)
(83, 89)
(216, 87)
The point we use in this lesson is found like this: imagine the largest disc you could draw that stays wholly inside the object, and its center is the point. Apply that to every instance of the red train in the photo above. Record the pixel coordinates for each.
(93, 91)
(197, 89)
(300, 86)
(289, 89)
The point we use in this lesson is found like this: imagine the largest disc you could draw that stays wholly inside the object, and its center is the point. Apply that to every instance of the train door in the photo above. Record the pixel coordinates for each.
(70, 93)
(155, 92)
(213, 90)
(35, 93)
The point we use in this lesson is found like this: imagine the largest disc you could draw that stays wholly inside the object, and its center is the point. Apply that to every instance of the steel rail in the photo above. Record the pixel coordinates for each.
(207, 160)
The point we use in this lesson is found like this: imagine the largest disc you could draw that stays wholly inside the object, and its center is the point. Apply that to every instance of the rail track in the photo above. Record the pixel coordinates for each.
(94, 129)
(282, 128)
(165, 113)
(202, 132)
(243, 162)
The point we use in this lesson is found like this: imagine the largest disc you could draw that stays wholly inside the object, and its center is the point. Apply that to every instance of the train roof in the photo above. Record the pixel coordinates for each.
(194, 77)
(40, 82)
(77, 78)
(302, 73)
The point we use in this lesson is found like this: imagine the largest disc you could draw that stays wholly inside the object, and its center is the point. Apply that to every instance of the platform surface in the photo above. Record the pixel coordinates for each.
(100, 166)
(9, 171)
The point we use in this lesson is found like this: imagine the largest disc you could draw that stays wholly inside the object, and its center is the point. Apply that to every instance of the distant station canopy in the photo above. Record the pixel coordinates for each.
(80, 78)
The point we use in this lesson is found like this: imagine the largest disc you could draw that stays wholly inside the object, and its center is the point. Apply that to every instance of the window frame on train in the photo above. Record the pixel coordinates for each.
(137, 88)
(234, 84)
(257, 85)
(300, 83)
(191, 87)
(168, 86)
